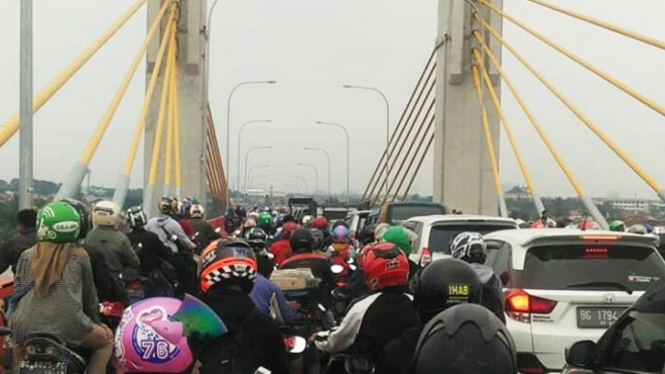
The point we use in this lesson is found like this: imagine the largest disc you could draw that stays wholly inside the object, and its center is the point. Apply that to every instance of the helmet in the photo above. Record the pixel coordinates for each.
(167, 205)
(465, 339)
(256, 238)
(228, 262)
(588, 225)
(249, 223)
(617, 226)
(302, 239)
(317, 237)
(162, 334)
(106, 213)
(307, 221)
(340, 234)
(384, 266)
(58, 222)
(320, 223)
(550, 223)
(648, 227)
(136, 216)
(637, 229)
(380, 229)
(398, 236)
(287, 229)
(253, 215)
(197, 211)
(84, 214)
(444, 283)
(340, 222)
(469, 247)
(183, 208)
(264, 219)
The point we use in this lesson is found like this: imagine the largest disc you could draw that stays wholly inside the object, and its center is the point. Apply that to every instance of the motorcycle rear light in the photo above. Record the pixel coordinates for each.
(528, 363)
(289, 343)
(341, 284)
(425, 257)
(520, 305)
(136, 285)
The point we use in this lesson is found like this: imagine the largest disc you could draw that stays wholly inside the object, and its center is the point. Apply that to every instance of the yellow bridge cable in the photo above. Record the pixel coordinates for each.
(159, 128)
(487, 132)
(103, 125)
(602, 136)
(615, 82)
(606, 25)
(548, 143)
(506, 125)
(420, 163)
(176, 131)
(9, 128)
(150, 91)
(168, 157)
(429, 126)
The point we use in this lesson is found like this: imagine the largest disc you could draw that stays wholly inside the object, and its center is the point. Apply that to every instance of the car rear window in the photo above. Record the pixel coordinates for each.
(400, 213)
(440, 236)
(589, 267)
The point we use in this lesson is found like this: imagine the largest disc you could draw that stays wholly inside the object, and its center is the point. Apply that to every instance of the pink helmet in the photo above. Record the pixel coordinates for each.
(156, 334)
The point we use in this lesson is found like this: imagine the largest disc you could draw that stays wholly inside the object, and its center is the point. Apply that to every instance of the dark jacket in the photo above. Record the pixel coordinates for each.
(151, 249)
(11, 250)
(117, 249)
(206, 233)
(397, 357)
(371, 323)
(235, 308)
(108, 288)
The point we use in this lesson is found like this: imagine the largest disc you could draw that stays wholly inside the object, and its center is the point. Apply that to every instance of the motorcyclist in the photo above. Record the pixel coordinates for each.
(59, 297)
(340, 250)
(182, 216)
(441, 285)
(465, 339)
(204, 232)
(617, 225)
(150, 250)
(399, 236)
(265, 291)
(321, 223)
(281, 249)
(26, 237)
(264, 221)
(257, 238)
(116, 247)
(318, 241)
(470, 247)
(373, 321)
(228, 274)
(307, 221)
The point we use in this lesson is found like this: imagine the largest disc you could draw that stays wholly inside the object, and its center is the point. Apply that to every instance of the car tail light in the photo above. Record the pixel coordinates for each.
(528, 363)
(600, 237)
(425, 257)
(520, 305)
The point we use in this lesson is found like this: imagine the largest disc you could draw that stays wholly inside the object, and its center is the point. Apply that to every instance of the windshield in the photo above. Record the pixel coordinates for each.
(400, 213)
(441, 236)
(590, 267)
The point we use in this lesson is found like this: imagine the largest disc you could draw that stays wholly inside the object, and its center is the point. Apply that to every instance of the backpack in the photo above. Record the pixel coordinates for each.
(232, 353)
(492, 301)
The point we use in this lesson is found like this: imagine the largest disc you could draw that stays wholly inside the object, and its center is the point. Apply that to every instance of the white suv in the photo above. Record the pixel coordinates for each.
(435, 232)
(563, 286)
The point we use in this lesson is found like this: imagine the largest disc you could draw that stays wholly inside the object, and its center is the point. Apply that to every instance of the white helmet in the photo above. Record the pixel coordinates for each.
(197, 211)
(307, 221)
(106, 213)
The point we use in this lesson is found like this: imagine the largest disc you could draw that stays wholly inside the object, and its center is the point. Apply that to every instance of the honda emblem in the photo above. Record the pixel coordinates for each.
(608, 298)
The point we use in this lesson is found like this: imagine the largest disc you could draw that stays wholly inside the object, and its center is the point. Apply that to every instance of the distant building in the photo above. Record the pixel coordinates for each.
(634, 204)
(517, 192)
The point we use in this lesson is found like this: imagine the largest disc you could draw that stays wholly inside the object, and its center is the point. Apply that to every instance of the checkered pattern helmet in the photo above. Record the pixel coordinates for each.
(228, 262)
(469, 247)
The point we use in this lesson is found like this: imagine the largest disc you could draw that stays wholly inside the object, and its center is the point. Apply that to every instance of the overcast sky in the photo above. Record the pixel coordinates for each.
(312, 47)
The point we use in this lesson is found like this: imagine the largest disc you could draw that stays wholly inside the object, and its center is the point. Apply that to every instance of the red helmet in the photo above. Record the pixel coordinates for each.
(384, 266)
(287, 229)
(320, 223)
(538, 225)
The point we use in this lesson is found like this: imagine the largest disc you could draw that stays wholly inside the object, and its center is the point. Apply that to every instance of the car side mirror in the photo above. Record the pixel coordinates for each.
(579, 354)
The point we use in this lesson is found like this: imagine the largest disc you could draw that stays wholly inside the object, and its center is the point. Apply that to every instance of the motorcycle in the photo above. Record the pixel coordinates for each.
(340, 294)
(135, 285)
(111, 313)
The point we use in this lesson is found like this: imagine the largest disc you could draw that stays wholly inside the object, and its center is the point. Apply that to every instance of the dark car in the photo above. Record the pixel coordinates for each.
(634, 344)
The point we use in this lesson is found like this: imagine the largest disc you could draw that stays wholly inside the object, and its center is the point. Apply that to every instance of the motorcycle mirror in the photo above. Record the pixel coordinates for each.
(174, 238)
(271, 256)
(352, 267)
(218, 230)
(295, 344)
(351, 260)
(337, 269)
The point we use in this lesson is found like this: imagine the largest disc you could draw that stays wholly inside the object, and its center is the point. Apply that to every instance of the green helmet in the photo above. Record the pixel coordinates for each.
(264, 219)
(617, 226)
(398, 236)
(58, 222)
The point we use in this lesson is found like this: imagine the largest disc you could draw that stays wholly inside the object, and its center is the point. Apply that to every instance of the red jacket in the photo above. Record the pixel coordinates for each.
(187, 227)
(281, 249)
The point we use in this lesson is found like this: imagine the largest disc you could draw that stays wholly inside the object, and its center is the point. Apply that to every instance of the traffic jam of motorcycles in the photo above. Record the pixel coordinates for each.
(404, 288)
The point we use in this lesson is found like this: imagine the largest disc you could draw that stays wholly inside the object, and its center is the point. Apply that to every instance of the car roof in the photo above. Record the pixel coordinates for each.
(523, 239)
(436, 218)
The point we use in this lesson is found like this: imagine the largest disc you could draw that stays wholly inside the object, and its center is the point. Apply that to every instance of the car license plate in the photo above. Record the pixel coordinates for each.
(42, 367)
(598, 317)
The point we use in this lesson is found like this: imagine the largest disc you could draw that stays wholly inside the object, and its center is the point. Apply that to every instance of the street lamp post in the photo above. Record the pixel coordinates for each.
(228, 120)
(316, 175)
(247, 157)
(348, 155)
(25, 103)
(239, 147)
(328, 159)
(248, 175)
(302, 179)
(387, 163)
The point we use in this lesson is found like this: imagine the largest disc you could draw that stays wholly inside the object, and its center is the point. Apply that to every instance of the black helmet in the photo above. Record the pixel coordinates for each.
(82, 210)
(445, 283)
(256, 238)
(317, 236)
(465, 339)
(228, 262)
(302, 240)
(469, 247)
(340, 222)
